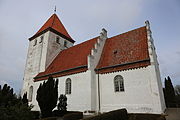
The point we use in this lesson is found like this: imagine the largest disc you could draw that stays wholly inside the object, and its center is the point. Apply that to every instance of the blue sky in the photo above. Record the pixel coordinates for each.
(84, 19)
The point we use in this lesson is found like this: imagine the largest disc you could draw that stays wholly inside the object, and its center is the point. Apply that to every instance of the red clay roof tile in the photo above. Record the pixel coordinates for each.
(125, 48)
(125, 51)
(72, 57)
(54, 23)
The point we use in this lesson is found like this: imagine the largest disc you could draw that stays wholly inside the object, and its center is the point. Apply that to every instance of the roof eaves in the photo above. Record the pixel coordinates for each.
(62, 71)
(54, 31)
(118, 65)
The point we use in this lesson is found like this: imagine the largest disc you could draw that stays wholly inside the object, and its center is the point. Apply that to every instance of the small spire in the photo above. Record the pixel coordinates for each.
(55, 9)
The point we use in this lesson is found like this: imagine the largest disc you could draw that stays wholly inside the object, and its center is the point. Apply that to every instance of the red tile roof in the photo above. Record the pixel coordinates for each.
(125, 51)
(53, 23)
(69, 61)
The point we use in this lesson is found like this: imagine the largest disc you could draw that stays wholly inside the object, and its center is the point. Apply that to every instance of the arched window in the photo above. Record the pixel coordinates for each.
(30, 93)
(68, 86)
(118, 83)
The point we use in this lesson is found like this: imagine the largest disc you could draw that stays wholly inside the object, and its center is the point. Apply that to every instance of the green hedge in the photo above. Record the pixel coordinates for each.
(73, 116)
(120, 114)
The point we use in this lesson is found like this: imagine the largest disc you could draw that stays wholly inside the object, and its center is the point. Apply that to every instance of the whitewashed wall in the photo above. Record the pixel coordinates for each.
(80, 97)
(39, 57)
(35, 57)
(54, 48)
(141, 93)
(93, 60)
(155, 72)
(140, 96)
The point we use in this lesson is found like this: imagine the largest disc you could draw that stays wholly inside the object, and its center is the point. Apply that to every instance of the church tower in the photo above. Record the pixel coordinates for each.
(44, 46)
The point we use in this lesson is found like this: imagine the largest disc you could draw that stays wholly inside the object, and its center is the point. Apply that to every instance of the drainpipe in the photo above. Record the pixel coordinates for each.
(99, 98)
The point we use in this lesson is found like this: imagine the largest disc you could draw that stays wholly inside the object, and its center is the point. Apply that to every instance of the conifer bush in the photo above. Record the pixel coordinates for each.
(47, 95)
(62, 105)
(169, 93)
(13, 107)
(24, 99)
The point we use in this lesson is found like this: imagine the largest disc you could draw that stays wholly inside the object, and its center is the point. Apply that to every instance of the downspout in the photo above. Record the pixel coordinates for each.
(99, 98)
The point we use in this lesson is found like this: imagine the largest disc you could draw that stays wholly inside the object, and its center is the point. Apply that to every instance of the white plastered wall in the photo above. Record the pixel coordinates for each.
(80, 97)
(93, 60)
(54, 48)
(140, 95)
(39, 57)
(155, 72)
(35, 58)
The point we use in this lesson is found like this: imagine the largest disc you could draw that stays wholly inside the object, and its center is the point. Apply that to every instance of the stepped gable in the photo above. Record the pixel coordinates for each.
(55, 25)
(69, 61)
(125, 51)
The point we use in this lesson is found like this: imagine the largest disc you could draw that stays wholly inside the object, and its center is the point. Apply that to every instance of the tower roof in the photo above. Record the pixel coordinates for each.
(55, 25)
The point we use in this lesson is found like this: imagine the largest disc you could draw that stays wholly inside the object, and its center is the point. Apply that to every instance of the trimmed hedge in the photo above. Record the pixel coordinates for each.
(120, 114)
(73, 116)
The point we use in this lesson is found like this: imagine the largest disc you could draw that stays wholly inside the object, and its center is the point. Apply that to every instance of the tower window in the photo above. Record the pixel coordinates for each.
(118, 83)
(58, 40)
(65, 43)
(35, 42)
(30, 93)
(42, 37)
(68, 86)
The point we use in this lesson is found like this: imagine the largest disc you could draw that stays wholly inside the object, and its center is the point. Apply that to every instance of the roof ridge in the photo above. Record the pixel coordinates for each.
(127, 32)
(80, 43)
(53, 20)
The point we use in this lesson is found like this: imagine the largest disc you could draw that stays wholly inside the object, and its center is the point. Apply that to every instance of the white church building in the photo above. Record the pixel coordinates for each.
(97, 75)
